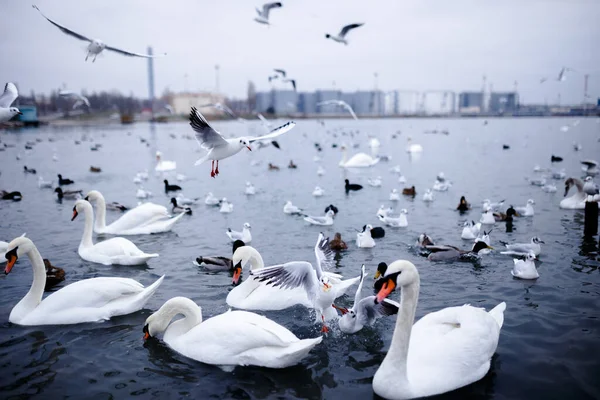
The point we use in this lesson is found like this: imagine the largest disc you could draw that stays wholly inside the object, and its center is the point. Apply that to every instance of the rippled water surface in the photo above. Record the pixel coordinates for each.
(549, 346)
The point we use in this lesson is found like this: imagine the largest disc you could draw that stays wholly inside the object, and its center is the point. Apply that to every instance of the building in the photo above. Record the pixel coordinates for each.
(181, 103)
(470, 102)
(264, 102)
(501, 102)
(285, 101)
(307, 103)
(324, 95)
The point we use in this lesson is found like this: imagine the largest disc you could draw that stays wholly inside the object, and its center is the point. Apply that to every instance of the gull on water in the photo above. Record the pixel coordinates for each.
(226, 207)
(96, 46)
(245, 235)
(9, 95)
(318, 192)
(326, 220)
(341, 37)
(525, 269)
(522, 249)
(289, 208)
(364, 238)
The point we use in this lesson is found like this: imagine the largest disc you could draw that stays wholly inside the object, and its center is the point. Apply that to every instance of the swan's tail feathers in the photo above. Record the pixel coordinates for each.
(498, 313)
(144, 295)
(292, 354)
(136, 302)
(168, 223)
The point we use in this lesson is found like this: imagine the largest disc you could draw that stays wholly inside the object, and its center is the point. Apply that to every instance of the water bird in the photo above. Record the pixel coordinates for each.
(428, 196)
(68, 194)
(526, 211)
(263, 15)
(589, 187)
(359, 160)
(590, 167)
(525, 269)
(400, 222)
(291, 165)
(463, 204)
(65, 181)
(179, 209)
(171, 188)
(324, 221)
(450, 253)
(185, 201)
(577, 200)
(507, 216)
(42, 184)
(141, 193)
(549, 188)
(164, 165)
(394, 195)
(409, 191)
(29, 170)
(524, 248)
(377, 232)
(211, 200)
(339, 103)
(226, 207)
(554, 158)
(9, 95)
(351, 186)
(341, 36)
(220, 148)
(95, 169)
(375, 182)
(337, 243)
(289, 208)
(54, 275)
(218, 263)
(413, 147)
(245, 235)
(14, 196)
(95, 46)
(317, 192)
(364, 238)
(332, 208)
(470, 230)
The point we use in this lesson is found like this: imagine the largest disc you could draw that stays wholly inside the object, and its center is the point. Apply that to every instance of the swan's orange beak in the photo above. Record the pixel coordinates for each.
(387, 288)
(12, 259)
(343, 310)
(237, 272)
(146, 333)
(249, 148)
(75, 214)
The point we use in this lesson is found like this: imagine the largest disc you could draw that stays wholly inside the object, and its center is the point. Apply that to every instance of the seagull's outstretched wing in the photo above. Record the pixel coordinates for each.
(131, 54)
(349, 109)
(67, 93)
(10, 94)
(293, 81)
(206, 136)
(328, 102)
(324, 255)
(264, 120)
(367, 311)
(288, 276)
(275, 132)
(267, 7)
(359, 289)
(62, 28)
(347, 28)
(280, 71)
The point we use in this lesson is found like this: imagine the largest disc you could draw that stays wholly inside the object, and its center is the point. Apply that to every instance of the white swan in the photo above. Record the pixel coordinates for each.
(525, 269)
(144, 219)
(413, 147)
(364, 238)
(577, 201)
(359, 160)
(164, 165)
(318, 192)
(117, 250)
(229, 339)
(443, 351)
(88, 300)
(3, 248)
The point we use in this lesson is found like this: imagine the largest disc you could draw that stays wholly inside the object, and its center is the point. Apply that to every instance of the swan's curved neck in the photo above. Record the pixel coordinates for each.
(256, 260)
(396, 358)
(34, 297)
(192, 316)
(86, 239)
(100, 223)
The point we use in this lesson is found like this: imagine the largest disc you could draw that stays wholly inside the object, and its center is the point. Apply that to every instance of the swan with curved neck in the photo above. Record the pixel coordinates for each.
(576, 201)
(88, 300)
(443, 351)
(229, 339)
(117, 250)
(146, 218)
(359, 160)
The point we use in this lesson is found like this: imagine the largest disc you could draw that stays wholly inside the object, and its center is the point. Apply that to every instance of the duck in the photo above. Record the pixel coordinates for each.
(394, 195)
(523, 249)
(428, 196)
(68, 194)
(171, 188)
(409, 191)
(526, 211)
(211, 200)
(337, 244)
(577, 200)
(359, 160)
(185, 201)
(351, 187)
(145, 219)
(450, 253)
(375, 182)
(42, 184)
(413, 147)
(445, 350)
(317, 192)
(508, 216)
(319, 288)
(179, 209)
(114, 251)
(555, 158)
(470, 230)
(250, 189)
(364, 238)
(399, 222)
(487, 218)
(29, 170)
(291, 165)
(244, 235)
(164, 165)
(14, 196)
(54, 275)
(525, 269)
(364, 311)
(289, 208)
(95, 169)
(226, 207)
(377, 232)
(273, 167)
(590, 167)
(141, 193)
(63, 182)
(219, 263)
(234, 338)
(463, 204)
(101, 298)
(323, 221)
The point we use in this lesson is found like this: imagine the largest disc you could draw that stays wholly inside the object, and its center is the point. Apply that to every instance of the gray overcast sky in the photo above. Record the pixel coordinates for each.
(412, 44)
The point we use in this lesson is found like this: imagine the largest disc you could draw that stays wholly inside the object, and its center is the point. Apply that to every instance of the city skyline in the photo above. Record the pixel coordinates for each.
(411, 46)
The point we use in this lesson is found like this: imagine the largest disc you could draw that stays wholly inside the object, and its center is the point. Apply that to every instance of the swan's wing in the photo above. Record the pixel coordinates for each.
(275, 132)
(367, 311)
(288, 276)
(10, 94)
(206, 136)
(324, 255)
(142, 215)
(62, 28)
(347, 29)
(117, 246)
(268, 6)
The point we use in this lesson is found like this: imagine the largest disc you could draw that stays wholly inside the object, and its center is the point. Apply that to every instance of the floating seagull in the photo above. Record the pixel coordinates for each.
(524, 248)
(211, 200)
(289, 208)
(96, 46)
(263, 15)
(250, 189)
(8, 97)
(364, 238)
(226, 207)
(526, 211)
(326, 220)
(400, 222)
(470, 230)
(338, 103)
(589, 187)
(341, 37)
(218, 147)
(428, 196)
(318, 192)
(525, 269)
(244, 235)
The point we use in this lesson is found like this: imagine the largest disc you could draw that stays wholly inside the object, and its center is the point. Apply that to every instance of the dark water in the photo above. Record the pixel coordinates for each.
(549, 346)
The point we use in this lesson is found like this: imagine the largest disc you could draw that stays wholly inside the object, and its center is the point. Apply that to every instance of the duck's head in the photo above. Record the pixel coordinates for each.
(480, 245)
(16, 248)
(166, 182)
(337, 236)
(347, 181)
(381, 269)
(174, 201)
(398, 274)
(510, 212)
(536, 240)
(463, 200)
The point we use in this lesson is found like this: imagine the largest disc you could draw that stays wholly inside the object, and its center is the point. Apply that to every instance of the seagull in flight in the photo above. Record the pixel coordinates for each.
(79, 99)
(562, 75)
(293, 81)
(338, 103)
(221, 107)
(263, 15)
(220, 148)
(95, 46)
(281, 72)
(8, 97)
(341, 37)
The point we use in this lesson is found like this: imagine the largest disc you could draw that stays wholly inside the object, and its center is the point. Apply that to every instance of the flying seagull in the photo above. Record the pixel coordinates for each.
(95, 46)
(79, 99)
(562, 75)
(293, 81)
(263, 15)
(280, 71)
(221, 107)
(338, 103)
(218, 147)
(341, 37)
(8, 97)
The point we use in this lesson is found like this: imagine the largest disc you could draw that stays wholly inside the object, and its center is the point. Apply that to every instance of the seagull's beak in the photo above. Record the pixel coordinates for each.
(249, 148)
(20, 113)
(326, 287)
(75, 214)
(387, 288)
(343, 310)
